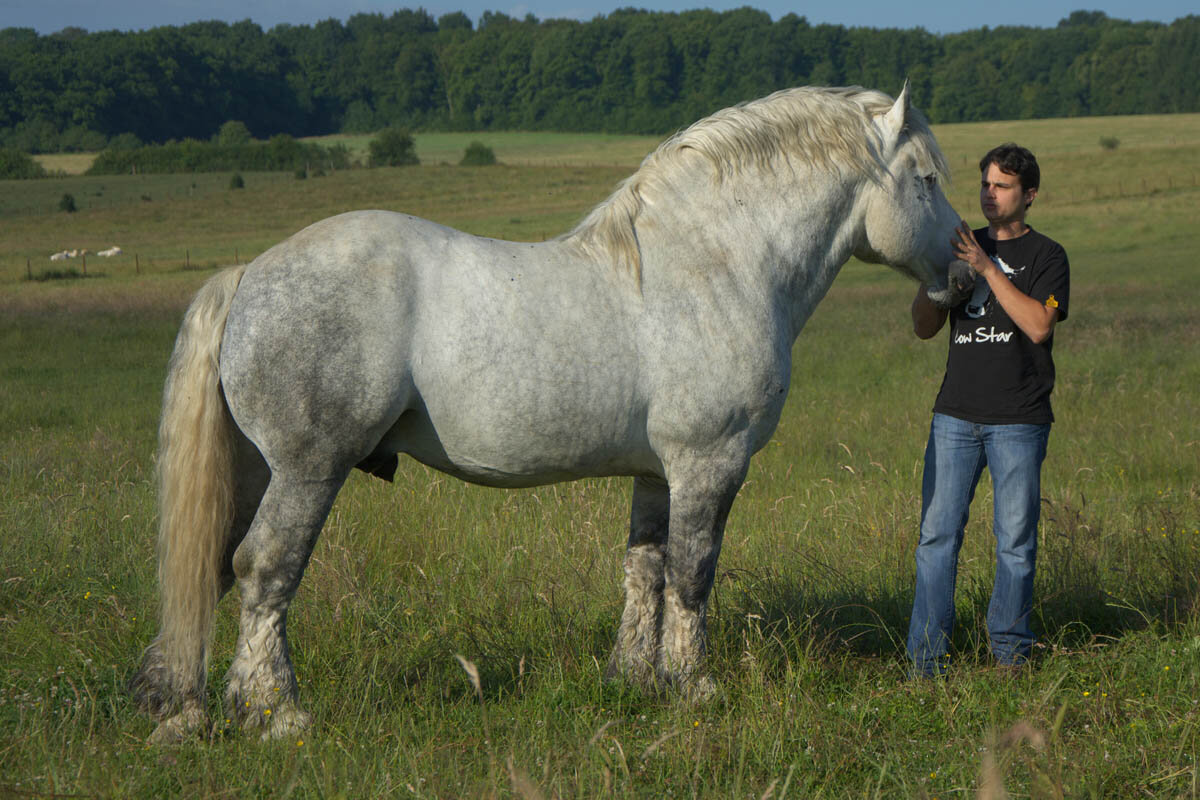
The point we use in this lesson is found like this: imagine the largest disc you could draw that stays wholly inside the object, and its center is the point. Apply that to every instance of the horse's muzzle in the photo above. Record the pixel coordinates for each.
(960, 280)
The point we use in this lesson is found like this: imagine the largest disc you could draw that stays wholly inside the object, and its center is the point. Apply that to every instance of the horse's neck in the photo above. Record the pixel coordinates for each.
(827, 237)
(780, 240)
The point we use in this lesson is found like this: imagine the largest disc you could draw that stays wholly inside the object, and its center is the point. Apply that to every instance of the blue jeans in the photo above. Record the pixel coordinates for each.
(954, 460)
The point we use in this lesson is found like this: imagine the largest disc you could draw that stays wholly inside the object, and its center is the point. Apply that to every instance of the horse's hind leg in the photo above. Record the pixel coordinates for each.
(269, 563)
(636, 651)
(187, 715)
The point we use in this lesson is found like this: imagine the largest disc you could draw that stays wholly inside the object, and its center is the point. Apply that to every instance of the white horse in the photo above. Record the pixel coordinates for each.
(654, 340)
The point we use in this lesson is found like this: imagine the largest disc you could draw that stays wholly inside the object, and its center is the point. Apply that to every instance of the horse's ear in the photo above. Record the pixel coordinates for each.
(893, 121)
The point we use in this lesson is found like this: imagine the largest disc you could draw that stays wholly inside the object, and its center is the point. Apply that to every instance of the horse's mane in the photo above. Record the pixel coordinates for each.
(828, 129)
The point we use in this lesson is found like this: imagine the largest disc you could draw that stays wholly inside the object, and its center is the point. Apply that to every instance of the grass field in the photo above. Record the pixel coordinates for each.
(814, 585)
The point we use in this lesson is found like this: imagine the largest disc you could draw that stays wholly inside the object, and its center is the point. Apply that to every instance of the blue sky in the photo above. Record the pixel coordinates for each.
(937, 16)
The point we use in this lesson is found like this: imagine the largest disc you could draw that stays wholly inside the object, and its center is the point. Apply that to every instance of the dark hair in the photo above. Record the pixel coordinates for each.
(1015, 160)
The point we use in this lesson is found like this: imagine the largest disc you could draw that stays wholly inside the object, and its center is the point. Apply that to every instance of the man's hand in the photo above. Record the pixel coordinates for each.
(968, 250)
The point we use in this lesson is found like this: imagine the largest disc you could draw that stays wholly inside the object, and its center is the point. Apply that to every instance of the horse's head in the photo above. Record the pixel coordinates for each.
(907, 221)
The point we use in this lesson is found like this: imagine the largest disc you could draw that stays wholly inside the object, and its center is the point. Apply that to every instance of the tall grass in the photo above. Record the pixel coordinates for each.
(814, 585)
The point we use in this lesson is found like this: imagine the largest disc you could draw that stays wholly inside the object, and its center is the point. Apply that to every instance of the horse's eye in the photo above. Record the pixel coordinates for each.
(930, 181)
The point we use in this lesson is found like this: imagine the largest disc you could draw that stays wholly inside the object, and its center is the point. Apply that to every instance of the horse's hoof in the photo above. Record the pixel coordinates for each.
(701, 689)
(285, 723)
(634, 672)
(174, 730)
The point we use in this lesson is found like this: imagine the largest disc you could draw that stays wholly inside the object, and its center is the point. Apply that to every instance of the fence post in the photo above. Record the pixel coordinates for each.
(187, 259)
(28, 268)
(137, 265)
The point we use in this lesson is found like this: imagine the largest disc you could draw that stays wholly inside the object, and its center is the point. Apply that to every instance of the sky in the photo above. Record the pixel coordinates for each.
(936, 16)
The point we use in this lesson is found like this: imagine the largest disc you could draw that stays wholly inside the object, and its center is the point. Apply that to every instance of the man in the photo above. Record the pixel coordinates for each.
(993, 410)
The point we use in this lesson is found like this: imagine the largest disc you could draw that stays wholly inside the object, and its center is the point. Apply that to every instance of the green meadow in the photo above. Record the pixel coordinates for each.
(814, 586)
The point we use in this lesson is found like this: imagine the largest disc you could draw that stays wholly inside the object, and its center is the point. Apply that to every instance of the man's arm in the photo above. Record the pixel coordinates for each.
(928, 318)
(1035, 319)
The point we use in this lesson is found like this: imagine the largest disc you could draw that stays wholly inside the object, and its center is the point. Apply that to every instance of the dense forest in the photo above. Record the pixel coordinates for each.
(628, 72)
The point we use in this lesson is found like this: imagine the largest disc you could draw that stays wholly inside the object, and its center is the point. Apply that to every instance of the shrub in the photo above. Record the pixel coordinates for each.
(236, 181)
(301, 174)
(392, 147)
(78, 139)
(16, 164)
(67, 203)
(478, 154)
(1110, 142)
(233, 133)
(37, 135)
(125, 141)
(281, 153)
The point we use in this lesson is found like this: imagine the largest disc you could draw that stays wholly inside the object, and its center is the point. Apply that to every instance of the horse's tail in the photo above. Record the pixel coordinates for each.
(195, 503)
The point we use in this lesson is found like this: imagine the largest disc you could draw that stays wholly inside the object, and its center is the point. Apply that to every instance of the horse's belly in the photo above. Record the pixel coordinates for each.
(494, 449)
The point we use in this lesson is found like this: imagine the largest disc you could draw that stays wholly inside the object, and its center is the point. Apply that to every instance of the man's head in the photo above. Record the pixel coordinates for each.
(1009, 181)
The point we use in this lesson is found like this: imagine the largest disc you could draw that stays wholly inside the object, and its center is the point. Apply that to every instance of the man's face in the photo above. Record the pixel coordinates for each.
(1001, 197)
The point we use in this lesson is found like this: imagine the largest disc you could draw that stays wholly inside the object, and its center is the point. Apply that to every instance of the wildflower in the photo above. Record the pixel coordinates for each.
(267, 713)
(86, 595)
(696, 724)
(1086, 693)
(300, 743)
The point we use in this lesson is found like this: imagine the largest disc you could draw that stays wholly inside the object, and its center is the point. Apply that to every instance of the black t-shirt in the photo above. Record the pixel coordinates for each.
(995, 374)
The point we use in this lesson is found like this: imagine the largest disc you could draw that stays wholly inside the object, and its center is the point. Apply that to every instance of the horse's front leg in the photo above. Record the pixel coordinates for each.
(262, 691)
(701, 495)
(636, 652)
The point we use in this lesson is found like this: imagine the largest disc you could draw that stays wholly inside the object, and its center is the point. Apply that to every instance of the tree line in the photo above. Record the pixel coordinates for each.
(628, 72)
